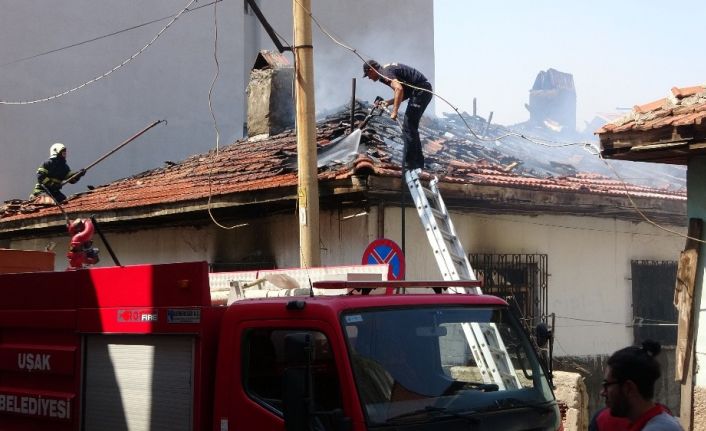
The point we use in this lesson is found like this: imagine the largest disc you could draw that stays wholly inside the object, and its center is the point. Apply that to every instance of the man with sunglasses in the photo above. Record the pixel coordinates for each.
(628, 389)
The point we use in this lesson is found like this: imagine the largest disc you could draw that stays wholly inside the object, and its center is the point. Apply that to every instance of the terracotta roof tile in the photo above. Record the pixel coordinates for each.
(692, 118)
(652, 106)
(676, 110)
(680, 93)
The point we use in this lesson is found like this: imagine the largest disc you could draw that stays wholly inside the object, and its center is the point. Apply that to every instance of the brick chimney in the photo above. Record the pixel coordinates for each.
(270, 98)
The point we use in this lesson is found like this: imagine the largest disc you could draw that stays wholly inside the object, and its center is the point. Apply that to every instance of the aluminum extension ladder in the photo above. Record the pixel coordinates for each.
(484, 340)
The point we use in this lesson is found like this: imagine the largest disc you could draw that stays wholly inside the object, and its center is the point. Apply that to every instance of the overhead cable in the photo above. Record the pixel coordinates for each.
(115, 33)
(126, 61)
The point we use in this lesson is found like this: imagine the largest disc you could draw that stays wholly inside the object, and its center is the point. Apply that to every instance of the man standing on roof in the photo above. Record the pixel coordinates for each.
(54, 172)
(407, 83)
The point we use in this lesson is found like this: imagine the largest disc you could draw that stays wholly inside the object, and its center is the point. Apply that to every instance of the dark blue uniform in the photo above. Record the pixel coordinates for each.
(417, 103)
(51, 174)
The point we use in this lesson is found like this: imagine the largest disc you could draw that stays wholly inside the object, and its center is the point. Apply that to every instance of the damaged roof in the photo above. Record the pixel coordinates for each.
(249, 172)
(668, 130)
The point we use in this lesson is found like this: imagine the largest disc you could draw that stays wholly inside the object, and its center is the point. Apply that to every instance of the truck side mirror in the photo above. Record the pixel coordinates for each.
(296, 385)
(543, 333)
(545, 336)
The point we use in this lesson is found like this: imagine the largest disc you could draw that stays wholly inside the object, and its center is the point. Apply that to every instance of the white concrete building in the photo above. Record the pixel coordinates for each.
(52, 47)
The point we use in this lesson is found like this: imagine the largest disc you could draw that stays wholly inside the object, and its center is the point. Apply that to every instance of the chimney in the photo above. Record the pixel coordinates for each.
(270, 98)
(553, 100)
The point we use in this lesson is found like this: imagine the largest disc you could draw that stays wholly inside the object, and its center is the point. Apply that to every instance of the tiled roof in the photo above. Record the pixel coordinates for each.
(270, 164)
(549, 154)
(685, 106)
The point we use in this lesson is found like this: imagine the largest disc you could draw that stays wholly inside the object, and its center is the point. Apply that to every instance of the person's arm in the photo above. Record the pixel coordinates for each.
(42, 174)
(398, 98)
(73, 177)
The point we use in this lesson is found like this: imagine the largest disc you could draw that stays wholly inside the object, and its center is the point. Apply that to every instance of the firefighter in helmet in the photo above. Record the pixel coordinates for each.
(52, 174)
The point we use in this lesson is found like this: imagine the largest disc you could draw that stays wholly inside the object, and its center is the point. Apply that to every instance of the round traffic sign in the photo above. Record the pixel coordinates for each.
(384, 250)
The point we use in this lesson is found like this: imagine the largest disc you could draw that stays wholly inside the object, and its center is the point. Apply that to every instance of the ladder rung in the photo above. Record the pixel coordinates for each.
(447, 235)
(438, 214)
(457, 258)
(429, 194)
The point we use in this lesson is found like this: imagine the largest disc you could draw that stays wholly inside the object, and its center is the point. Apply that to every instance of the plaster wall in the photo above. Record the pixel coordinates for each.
(589, 266)
(344, 236)
(167, 245)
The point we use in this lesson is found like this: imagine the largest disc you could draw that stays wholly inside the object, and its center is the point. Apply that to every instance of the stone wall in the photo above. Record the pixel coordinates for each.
(699, 409)
(570, 391)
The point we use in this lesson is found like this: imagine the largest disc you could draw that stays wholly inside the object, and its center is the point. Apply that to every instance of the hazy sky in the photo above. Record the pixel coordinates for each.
(620, 52)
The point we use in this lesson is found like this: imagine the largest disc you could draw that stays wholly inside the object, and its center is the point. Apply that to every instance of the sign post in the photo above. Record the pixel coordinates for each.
(384, 250)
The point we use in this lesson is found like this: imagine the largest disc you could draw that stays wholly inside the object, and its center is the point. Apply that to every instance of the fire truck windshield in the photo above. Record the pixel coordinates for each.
(425, 364)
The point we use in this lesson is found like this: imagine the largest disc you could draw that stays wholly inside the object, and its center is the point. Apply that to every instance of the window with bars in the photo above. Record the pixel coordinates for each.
(520, 279)
(654, 314)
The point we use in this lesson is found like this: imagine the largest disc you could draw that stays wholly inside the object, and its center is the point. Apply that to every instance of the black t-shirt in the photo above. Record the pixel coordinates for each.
(405, 74)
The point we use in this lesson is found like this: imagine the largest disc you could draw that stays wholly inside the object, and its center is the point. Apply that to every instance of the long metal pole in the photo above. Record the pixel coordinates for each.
(308, 186)
(105, 156)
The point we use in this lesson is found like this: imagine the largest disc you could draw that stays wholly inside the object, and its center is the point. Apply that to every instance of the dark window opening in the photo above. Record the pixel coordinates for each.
(520, 279)
(654, 314)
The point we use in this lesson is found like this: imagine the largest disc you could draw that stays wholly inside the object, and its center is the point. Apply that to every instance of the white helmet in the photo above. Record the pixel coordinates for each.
(56, 149)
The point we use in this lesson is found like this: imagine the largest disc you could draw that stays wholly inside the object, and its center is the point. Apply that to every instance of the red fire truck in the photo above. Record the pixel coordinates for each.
(144, 348)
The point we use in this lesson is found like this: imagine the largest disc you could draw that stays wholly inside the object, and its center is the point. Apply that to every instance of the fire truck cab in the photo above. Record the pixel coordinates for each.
(144, 348)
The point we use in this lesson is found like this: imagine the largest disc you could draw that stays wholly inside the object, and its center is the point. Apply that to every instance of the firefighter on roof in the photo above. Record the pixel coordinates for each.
(54, 172)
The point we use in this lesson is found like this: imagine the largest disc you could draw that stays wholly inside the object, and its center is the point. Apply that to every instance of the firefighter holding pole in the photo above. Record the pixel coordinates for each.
(53, 174)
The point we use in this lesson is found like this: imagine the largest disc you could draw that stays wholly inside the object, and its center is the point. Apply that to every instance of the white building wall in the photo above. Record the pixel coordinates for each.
(171, 79)
(588, 258)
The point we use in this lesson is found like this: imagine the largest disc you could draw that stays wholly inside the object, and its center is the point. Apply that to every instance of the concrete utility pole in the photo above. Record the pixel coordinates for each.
(308, 189)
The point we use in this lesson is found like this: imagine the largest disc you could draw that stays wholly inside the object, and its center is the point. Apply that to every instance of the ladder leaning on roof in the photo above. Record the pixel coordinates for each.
(484, 340)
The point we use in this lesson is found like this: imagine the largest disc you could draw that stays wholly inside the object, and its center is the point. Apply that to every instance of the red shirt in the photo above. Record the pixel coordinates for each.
(608, 422)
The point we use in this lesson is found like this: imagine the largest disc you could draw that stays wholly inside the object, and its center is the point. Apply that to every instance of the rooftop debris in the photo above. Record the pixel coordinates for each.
(453, 153)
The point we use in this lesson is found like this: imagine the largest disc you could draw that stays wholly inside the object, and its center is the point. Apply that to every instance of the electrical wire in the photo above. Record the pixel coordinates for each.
(97, 78)
(215, 121)
(215, 125)
(590, 320)
(115, 33)
(641, 213)
(636, 322)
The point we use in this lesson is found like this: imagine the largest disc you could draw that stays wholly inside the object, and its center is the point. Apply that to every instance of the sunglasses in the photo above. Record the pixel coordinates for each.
(606, 384)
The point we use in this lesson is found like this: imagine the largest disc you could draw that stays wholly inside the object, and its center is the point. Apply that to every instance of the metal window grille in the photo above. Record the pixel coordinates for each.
(520, 279)
(654, 314)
